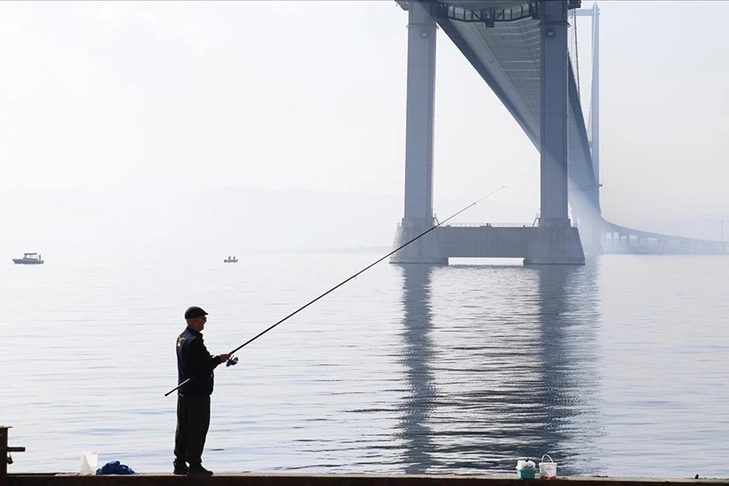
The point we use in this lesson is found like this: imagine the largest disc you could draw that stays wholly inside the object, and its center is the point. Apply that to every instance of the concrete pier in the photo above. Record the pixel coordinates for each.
(537, 245)
(428, 249)
(336, 480)
(555, 241)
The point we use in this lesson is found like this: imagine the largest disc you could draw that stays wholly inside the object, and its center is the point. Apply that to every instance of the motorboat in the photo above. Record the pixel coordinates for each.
(231, 259)
(29, 259)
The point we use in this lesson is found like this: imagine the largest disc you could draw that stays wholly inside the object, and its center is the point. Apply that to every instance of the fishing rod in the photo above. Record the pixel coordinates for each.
(233, 360)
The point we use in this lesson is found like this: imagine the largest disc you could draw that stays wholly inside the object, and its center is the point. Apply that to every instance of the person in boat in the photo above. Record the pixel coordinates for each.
(196, 364)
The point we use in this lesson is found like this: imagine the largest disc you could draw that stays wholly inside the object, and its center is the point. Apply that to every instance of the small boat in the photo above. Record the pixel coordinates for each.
(231, 259)
(29, 259)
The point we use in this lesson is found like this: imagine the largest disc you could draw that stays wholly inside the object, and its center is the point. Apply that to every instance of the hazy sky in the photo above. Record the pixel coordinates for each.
(311, 95)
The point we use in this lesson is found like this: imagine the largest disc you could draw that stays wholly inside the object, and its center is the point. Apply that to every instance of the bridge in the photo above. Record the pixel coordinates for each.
(520, 49)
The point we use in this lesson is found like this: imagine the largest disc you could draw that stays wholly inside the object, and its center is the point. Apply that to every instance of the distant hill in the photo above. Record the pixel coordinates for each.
(227, 220)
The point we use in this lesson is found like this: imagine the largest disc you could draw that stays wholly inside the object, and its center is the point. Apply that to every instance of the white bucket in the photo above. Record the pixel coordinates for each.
(547, 470)
(88, 463)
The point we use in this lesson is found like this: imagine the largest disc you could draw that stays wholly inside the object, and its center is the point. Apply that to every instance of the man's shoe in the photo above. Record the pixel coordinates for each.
(198, 471)
(180, 468)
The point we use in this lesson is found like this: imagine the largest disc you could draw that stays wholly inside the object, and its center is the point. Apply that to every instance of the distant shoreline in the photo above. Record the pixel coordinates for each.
(359, 249)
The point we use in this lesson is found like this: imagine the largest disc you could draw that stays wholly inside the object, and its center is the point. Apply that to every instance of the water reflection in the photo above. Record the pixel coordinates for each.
(568, 318)
(417, 355)
(500, 362)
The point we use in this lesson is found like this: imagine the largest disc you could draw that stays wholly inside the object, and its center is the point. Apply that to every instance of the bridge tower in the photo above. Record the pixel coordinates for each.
(420, 116)
(555, 240)
(588, 207)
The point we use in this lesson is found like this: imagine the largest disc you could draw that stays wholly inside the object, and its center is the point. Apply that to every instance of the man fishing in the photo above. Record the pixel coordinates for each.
(195, 367)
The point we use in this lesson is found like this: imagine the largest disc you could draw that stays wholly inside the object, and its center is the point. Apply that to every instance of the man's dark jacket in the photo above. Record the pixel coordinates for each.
(195, 362)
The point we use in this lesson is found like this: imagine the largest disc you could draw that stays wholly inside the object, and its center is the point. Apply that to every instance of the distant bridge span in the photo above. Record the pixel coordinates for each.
(620, 239)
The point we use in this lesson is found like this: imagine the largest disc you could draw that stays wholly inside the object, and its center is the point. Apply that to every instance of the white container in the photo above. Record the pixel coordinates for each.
(88, 463)
(525, 468)
(547, 470)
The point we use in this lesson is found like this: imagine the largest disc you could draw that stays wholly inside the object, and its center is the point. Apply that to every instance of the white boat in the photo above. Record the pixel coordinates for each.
(29, 259)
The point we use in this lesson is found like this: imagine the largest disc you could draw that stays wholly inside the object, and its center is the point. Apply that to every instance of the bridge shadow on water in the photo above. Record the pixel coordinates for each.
(519, 379)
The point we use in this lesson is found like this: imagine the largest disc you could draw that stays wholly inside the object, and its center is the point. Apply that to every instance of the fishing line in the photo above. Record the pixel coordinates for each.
(233, 360)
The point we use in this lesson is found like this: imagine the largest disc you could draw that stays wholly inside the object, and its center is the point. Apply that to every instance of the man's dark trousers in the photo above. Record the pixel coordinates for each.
(193, 421)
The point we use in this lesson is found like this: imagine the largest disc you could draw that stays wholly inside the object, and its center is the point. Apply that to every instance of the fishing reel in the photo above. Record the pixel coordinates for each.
(233, 360)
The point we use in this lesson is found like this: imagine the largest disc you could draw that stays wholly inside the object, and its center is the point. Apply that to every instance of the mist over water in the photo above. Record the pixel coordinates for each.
(616, 368)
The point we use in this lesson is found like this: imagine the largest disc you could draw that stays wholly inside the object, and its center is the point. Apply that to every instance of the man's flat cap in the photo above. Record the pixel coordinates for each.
(194, 311)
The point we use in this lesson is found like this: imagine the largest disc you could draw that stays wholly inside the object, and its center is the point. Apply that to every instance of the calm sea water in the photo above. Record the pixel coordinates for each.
(616, 368)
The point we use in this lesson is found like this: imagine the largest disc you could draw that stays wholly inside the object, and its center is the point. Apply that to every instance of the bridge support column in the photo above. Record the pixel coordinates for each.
(555, 245)
(418, 214)
(557, 242)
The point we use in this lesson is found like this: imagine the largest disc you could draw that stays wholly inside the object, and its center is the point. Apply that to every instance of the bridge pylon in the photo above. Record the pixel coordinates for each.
(555, 240)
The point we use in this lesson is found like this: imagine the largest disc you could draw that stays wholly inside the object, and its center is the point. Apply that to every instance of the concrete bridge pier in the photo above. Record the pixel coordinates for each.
(428, 249)
(556, 242)
(418, 214)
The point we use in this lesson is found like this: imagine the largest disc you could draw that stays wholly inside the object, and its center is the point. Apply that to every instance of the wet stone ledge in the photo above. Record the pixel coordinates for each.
(250, 479)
